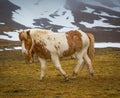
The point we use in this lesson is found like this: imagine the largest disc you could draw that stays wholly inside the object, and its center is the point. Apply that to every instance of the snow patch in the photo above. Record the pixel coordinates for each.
(17, 48)
(13, 48)
(88, 10)
(2, 23)
(11, 35)
(105, 45)
(105, 14)
(64, 20)
(99, 22)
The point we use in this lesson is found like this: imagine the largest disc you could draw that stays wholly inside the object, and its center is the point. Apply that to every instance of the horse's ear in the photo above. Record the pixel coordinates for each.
(28, 32)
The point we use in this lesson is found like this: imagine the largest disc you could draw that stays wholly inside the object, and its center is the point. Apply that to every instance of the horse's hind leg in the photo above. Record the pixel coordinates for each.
(43, 68)
(57, 64)
(79, 64)
(89, 64)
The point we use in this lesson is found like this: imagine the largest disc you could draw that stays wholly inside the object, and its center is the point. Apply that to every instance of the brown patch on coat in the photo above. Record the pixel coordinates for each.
(74, 42)
(41, 50)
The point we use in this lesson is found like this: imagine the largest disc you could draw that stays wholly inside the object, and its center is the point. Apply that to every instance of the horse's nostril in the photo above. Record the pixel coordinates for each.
(24, 51)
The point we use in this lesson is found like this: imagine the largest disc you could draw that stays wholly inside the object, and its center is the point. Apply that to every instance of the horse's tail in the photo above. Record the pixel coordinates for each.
(91, 49)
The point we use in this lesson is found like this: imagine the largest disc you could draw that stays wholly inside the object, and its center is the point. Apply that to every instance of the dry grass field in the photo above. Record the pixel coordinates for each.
(20, 80)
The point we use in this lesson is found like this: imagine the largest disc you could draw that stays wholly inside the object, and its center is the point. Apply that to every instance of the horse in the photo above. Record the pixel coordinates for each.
(51, 45)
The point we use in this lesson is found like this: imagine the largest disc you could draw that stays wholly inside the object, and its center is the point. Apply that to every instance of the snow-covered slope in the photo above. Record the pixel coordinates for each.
(69, 14)
(34, 9)
(38, 9)
(113, 5)
(100, 17)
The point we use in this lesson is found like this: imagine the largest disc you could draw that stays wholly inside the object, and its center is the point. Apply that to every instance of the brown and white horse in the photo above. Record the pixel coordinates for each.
(49, 45)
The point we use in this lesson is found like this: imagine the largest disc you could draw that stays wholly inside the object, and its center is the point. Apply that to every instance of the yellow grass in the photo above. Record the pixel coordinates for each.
(20, 80)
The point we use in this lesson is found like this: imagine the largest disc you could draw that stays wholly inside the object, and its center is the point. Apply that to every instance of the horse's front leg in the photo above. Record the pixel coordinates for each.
(57, 64)
(43, 68)
(32, 56)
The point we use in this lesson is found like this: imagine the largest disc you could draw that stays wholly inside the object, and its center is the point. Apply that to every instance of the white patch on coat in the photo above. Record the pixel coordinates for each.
(58, 41)
(85, 39)
(51, 40)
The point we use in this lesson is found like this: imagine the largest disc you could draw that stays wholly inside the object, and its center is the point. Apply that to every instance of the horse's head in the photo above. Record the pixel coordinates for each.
(26, 40)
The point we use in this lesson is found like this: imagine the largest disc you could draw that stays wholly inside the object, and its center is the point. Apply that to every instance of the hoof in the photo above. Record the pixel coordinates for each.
(27, 62)
(74, 75)
(41, 79)
(32, 61)
(91, 74)
(66, 78)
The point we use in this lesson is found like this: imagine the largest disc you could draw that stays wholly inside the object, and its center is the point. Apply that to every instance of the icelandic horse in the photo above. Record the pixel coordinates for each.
(50, 45)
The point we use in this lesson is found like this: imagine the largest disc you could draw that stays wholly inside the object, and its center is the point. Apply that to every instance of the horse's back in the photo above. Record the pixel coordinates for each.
(62, 44)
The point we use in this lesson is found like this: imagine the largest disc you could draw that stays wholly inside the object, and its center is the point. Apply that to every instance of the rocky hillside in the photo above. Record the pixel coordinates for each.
(100, 17)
